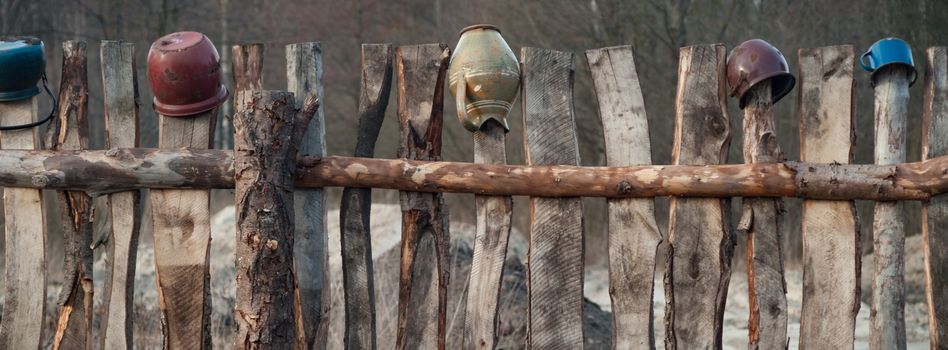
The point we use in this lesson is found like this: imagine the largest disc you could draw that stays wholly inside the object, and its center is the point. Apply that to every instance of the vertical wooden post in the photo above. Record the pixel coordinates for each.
(556, 256)
(767, 289)
(24, 303)
(120, 86)
(633, 233)
(831, 254)
(423, 279)
(268, 129)
(182, 241)
(698, 266)
(70, 132)
(356, 207)
(888, 298)
(248, 67)
(304, 74)
(935, 212)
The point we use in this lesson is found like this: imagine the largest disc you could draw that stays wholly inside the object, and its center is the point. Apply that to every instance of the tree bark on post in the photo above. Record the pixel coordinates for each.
(70, 132)
(248, 67)
(760, 220)
(355, 210)
(888, 284)
(423, 279)
(268, 130)
(935, 213)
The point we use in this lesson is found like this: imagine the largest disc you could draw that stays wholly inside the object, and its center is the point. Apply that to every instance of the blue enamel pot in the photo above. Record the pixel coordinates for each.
(886, 52)
(22, 64)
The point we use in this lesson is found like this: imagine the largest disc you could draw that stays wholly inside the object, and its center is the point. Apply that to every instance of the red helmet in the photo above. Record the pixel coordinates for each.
(184, 72)
(754, 61)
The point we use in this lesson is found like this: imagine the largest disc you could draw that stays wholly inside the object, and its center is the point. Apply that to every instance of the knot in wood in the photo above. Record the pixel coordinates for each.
(112, 152)
(624, 187)
(272, 244)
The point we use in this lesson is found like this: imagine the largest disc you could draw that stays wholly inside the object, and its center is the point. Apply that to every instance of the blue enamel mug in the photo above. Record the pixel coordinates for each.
(888, 51)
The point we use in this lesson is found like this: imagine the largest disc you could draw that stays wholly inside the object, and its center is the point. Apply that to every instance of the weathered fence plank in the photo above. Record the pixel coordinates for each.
(887, 324)
(633, 233)
(760, 220)
(831, 254)
(268, 129)
(355, 210)
(70, 131)
(698, 266)
(182, 241)
(304, 74)
(935, 213)
(248, 67)
(120, 92)
(423, 281)
(24, 303)
(555, 260)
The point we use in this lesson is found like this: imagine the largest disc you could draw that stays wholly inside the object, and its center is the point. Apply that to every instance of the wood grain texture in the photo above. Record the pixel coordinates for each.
(701, 245)
(182, 241)
(268, 129)
(423, 279)
(69, 131)
(887, 324)
(556, 255)
(24, 293)
(120, 92)
(304, 74)
(831, 252)
(760, 221)
(356, 207)
(935, 213)
(248, 67)
(633, 233)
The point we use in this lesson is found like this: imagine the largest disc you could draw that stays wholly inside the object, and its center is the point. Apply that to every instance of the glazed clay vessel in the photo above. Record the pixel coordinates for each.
(185, 75)
(484, 77)
(22, 64)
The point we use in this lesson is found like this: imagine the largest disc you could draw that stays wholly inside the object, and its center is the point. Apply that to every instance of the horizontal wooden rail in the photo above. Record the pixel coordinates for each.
(113, 170)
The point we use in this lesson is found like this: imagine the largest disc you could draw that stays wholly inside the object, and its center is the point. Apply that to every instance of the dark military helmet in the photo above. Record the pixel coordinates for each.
(754, 61)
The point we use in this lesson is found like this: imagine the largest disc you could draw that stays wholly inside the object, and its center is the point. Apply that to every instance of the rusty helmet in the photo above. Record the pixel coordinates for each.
(754, 61)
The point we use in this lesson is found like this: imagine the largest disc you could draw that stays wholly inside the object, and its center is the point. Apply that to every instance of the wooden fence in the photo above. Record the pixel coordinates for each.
(282, 266)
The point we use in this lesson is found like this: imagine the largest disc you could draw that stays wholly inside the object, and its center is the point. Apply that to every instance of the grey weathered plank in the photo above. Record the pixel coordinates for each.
(760, 220)
(633, 233)
(831, 251)
(423, 281)
(120, 92)
(887, 323)
(935, 213)
(304, 74)
(356, 207)
(69, 131)
(24, 302)
(555, 260)
(182, 239)
(698, 265)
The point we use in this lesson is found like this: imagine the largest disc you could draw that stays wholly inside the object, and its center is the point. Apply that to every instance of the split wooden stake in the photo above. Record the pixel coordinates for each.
(935, 213)
(355, 210)
(633, 233)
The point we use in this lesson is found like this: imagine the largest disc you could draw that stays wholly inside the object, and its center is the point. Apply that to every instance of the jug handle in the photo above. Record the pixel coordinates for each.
(460, 99)
(863, 63)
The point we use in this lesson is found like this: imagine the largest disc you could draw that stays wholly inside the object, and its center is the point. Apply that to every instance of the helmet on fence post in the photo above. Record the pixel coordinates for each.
(754, 61)
(184, 70)
(22, 65)
(484, 77)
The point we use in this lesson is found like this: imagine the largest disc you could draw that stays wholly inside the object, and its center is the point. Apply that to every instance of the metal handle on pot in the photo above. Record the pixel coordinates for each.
(39, 122)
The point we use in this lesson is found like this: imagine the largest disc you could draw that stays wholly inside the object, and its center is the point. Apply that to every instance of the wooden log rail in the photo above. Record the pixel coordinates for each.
(122, 169)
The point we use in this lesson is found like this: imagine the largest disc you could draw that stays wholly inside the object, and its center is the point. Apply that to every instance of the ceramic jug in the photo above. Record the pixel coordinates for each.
(484, 77)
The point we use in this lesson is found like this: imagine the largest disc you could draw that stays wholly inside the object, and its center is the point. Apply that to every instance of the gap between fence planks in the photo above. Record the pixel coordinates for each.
(268, 130)
(555, 259)
(698, 264)
(423, 279)
(760, 220)
(633, 233)
(24, 304)
(70, 131)
(304, 74)
(356, 206)
(831, 252)
(935, 213)
(120, 93)
(887, 323)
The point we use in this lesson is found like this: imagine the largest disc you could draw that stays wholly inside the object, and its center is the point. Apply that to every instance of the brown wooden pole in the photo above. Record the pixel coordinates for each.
(831, 252)
(935, 213)
(268, 130)
(888, 295)
(760, 220)
(356, 207)
(70, 131)
(248, 67)
(119, 82)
